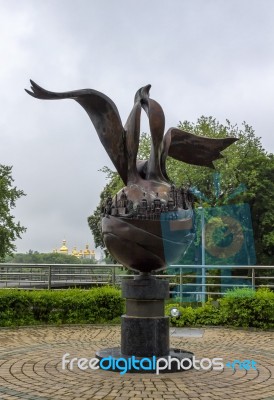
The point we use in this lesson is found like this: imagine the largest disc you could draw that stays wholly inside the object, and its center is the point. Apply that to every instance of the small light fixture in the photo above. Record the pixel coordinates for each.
(175, 313)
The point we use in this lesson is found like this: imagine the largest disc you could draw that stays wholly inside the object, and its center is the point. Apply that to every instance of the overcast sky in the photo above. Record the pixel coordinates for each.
(202, 57)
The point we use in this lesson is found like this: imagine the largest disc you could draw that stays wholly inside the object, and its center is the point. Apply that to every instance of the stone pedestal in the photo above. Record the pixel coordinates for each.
(145, 330)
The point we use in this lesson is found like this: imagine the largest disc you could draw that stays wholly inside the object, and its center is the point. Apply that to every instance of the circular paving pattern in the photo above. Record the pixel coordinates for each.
(31, 366)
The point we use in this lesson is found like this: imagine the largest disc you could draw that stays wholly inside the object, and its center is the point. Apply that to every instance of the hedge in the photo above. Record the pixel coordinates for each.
(22, 307)
(239, 308)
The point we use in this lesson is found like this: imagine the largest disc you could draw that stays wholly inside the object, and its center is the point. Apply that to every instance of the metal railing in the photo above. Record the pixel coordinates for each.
(223, 279)
(54, 275)
(29, 276)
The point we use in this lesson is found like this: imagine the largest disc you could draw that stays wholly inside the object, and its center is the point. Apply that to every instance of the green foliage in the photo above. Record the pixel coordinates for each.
(9, 229)
(236, 293)
(190, 316)
(244, 307)
(245, 164)
(187, 317)
(240, 307)
(114, 184)
(71, 306)
(144, 147)
(34, 257)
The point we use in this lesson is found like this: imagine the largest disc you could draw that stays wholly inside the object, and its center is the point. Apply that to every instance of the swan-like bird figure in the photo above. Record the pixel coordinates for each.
(136, 220)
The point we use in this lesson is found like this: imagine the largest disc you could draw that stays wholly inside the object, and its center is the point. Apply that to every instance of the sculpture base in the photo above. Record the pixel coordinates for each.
(145, 332)
(176, 361)
(145, 337)
(145, 328)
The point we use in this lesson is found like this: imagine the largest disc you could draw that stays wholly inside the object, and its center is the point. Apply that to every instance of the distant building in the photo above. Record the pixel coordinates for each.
(63, 249)
(86, 254)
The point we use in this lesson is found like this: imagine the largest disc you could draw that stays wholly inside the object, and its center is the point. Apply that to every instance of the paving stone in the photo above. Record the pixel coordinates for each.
(31, 366)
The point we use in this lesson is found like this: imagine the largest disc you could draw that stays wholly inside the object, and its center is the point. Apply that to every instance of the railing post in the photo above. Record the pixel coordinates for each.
(203, 270)
(114, 275)
(49, 277)
(253, 278)
(181, 286)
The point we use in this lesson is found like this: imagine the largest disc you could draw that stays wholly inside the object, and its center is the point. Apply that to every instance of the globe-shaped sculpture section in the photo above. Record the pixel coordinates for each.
(148, 230)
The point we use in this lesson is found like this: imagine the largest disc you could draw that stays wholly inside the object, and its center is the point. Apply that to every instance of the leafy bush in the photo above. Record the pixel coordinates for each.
(237, 293)
(97, 305)
(204, 315)
(247, 307)
(187, 317)
(208, 315)
(239, 307)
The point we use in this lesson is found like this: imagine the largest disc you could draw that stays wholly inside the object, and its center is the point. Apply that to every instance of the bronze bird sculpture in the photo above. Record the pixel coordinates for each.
(149, 223)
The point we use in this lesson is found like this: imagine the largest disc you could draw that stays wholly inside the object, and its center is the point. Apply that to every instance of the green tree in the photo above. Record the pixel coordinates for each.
(34, 257)
(10, 230)
(231, 167)
(246, 165)
(112, 187)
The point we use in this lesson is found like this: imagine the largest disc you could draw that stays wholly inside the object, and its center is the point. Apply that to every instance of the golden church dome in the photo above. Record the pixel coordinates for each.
(63, 249)
(87, 251)
(74, 252)
(86, 254)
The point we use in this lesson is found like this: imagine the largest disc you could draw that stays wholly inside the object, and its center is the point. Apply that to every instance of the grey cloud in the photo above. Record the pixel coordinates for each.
(201, 57)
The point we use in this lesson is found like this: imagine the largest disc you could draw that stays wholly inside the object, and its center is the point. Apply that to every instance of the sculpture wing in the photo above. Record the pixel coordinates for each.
(193, 149)
(104, 116)
(156, 119)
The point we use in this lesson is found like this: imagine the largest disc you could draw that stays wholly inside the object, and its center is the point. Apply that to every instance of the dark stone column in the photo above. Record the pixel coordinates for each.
(145, 329)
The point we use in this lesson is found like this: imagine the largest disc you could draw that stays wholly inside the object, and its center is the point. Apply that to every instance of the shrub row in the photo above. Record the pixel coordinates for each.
(239, 308)
(97, 305)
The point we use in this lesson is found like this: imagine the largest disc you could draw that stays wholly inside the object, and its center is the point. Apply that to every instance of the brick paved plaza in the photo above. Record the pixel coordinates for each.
(30, 366)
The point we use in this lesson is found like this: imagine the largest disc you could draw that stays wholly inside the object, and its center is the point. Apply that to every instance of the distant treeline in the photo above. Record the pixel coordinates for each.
(34, 257)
